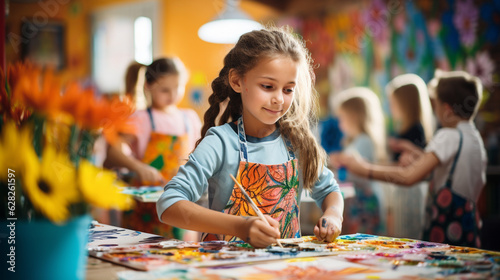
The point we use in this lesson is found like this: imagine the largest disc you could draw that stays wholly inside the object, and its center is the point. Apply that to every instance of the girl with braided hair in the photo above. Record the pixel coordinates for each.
(258, 129)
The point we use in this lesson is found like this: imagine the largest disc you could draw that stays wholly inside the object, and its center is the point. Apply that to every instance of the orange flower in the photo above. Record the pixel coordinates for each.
(117, 119)
(17, 70)
(36, 91)
(4, 97)
(79, 102)
(9, 108)
(112, 116)
(72, 99)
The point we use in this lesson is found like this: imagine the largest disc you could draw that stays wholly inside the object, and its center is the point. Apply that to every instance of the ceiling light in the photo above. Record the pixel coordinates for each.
(227, 27)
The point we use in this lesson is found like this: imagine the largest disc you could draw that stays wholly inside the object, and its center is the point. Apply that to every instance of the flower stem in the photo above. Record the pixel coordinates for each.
(38, 122)
(73, 144)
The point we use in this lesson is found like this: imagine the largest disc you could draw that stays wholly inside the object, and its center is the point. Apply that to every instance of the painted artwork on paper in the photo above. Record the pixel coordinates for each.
(350, 255)
(106, 236)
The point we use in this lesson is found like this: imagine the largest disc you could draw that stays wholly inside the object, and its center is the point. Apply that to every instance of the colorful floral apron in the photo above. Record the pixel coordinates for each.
(451, 218)
(165, 153)
(273, 188)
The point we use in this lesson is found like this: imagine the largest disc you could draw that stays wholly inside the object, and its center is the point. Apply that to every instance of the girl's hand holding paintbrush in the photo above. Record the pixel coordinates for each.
(262, 230)
(261, 234)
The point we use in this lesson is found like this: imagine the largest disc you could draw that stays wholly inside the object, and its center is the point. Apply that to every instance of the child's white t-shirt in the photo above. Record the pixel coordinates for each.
(470, 171)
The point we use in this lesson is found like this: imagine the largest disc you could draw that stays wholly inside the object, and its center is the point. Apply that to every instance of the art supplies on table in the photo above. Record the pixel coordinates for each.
(145, 251)
(350, 256)
(144, 193)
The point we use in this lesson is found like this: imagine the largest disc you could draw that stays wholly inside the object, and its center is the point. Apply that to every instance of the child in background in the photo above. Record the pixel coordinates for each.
(134, 89)
(412, 117)
(164, 133)
(263, 137)
(164, 137)
(411, 110)
(362, 123)
(455, 157)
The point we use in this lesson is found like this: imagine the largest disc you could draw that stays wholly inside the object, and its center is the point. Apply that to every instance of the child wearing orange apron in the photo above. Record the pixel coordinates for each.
(165, 153)
(263, 138)
(163, 138)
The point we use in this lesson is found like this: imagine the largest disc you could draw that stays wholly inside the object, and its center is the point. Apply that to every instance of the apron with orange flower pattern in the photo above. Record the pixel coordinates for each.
(273, 188)
(165, 153)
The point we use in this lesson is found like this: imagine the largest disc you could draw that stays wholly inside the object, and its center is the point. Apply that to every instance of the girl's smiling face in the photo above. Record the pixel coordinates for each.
(267, 91)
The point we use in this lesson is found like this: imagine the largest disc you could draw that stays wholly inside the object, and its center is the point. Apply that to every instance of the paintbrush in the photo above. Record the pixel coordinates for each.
(252, 204)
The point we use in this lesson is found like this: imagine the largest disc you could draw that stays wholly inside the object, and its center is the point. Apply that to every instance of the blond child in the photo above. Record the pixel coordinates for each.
(411, 113)
(362, 122)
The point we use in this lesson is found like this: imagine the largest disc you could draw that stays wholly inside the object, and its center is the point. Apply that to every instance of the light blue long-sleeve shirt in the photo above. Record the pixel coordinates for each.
(217, 156)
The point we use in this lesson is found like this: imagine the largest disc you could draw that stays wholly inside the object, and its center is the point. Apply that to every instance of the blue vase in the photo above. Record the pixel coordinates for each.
(44, 250)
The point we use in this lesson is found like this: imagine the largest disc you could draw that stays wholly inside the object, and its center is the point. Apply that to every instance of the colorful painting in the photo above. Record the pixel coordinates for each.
(106, 236)
(350, 256)
(146, 251)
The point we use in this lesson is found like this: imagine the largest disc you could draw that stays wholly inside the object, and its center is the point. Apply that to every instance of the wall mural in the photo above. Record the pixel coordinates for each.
(370, 44)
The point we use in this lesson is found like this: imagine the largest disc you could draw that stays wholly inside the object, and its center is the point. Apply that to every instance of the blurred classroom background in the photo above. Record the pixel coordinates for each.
(354, 43)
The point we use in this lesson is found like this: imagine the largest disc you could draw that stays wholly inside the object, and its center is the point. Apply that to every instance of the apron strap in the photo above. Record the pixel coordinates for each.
(150, 113)
(452, 170)
(244, 147)
(289, 148)
(243, 140)
(186, 122)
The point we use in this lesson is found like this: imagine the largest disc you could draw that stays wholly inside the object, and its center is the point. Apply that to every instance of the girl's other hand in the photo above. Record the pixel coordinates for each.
(342, 160)
(403, 145)
(261, 235)
(148, 175)
(328, 227)
(353, 163)
(407, 158)
(335, 160)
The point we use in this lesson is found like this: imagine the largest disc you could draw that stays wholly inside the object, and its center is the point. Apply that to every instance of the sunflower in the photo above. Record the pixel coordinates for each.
(51, 187)
(16, 150)
(98, 187)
